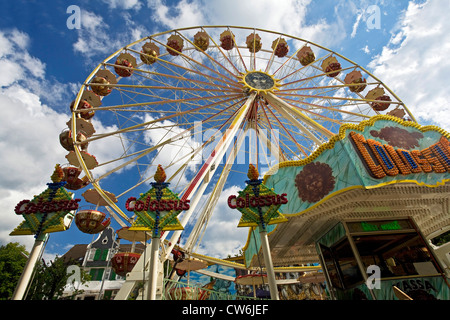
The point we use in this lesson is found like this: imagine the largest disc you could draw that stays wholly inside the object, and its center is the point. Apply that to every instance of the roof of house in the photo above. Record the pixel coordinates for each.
(78, 251)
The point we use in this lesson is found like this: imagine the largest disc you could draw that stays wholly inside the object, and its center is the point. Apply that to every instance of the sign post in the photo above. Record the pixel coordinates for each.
(259, 207)
(43, 214)
(156, 211)
(27, 273)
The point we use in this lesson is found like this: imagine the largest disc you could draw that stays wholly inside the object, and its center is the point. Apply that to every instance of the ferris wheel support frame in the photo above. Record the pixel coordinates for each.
(218, 152)
(205, 215)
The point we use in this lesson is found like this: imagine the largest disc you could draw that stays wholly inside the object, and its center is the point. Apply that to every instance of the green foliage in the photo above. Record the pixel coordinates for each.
(50, 279)
(12, 261)
(441, 239)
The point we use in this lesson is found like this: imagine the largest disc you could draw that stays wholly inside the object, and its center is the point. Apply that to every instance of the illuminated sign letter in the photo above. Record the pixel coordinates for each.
(360, 143)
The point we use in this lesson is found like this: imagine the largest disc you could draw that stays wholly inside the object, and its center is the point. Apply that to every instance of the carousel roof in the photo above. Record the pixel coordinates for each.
(292, 242)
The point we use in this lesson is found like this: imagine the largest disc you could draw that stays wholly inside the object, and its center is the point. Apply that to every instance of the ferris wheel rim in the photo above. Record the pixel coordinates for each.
(77, 99)
(85, 86)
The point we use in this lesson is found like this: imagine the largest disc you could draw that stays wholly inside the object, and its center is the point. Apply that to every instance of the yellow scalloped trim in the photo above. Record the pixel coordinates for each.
(330, 145)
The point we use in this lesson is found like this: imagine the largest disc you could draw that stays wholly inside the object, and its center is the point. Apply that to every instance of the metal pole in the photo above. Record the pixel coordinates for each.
(29, 268)
(154, 263)
(269, 266)
(358, 259)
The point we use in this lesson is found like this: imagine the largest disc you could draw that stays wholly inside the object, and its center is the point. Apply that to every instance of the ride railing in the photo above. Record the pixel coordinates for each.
(174, 290)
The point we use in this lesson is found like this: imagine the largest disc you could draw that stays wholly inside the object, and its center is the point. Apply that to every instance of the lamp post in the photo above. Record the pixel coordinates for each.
(156, 211)
(259, 207)
(43, 214)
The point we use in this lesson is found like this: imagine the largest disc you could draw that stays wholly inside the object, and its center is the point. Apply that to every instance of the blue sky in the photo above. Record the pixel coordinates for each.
(43, 64)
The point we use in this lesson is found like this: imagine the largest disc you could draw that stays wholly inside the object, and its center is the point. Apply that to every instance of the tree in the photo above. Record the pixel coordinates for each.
(13, 258)
(50, 280)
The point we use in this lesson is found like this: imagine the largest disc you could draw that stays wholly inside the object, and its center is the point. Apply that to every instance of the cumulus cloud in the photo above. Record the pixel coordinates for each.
(28, 135)
(414, 63)
(287, 16)
(222, 236)
(93, 36)
(30, 129)
(124, 4)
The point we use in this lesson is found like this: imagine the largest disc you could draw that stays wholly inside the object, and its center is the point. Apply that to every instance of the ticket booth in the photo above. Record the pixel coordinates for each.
(362, 206)
(366, 259)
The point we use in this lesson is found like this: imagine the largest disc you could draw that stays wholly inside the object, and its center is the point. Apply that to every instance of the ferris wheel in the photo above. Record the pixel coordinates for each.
(204, 103)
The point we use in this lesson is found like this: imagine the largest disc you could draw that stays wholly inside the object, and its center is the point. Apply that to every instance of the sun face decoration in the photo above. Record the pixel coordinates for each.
(259, 81)
(315, 181)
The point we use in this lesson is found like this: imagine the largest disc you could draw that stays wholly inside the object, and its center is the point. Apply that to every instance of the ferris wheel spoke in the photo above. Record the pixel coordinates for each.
(334, 109)
(287, 109)
(176, 67)
(282, 126)
(147, 75)
(268, 125)
(302, 68)
(159, 145)
(186, 89)
(312, 111)
(168, 117)
(222, 53)
(334, 98)
(321, 74)
(213, 61)
(199, 63)
(186, 101)
(285, 63)
(318, 87)
(239, 53)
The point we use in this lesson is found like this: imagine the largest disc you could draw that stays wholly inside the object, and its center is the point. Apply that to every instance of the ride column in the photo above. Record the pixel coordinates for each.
(259, 207)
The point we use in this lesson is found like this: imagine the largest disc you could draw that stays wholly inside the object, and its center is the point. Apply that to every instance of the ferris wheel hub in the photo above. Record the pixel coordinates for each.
(259, 81)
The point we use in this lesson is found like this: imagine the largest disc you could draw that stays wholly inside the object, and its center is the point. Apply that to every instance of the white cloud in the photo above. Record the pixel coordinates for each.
(28, 138)
(366, 49)
(124, 4)
(15, 62)
(11, 72)
(222, 236)
(287, 16)
(29, 129)
(180, 149)
(93, 36)
(184, 13)
(414, 63)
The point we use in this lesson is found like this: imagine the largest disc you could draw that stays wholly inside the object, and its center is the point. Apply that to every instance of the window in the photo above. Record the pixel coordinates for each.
(331, 266)
(101, 254)
(403, 254)
(347, 264)
(341, 265)
(96, 274)
(91, 254)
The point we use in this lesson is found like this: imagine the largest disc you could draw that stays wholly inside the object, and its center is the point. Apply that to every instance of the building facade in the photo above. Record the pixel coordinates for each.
(95, 259)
